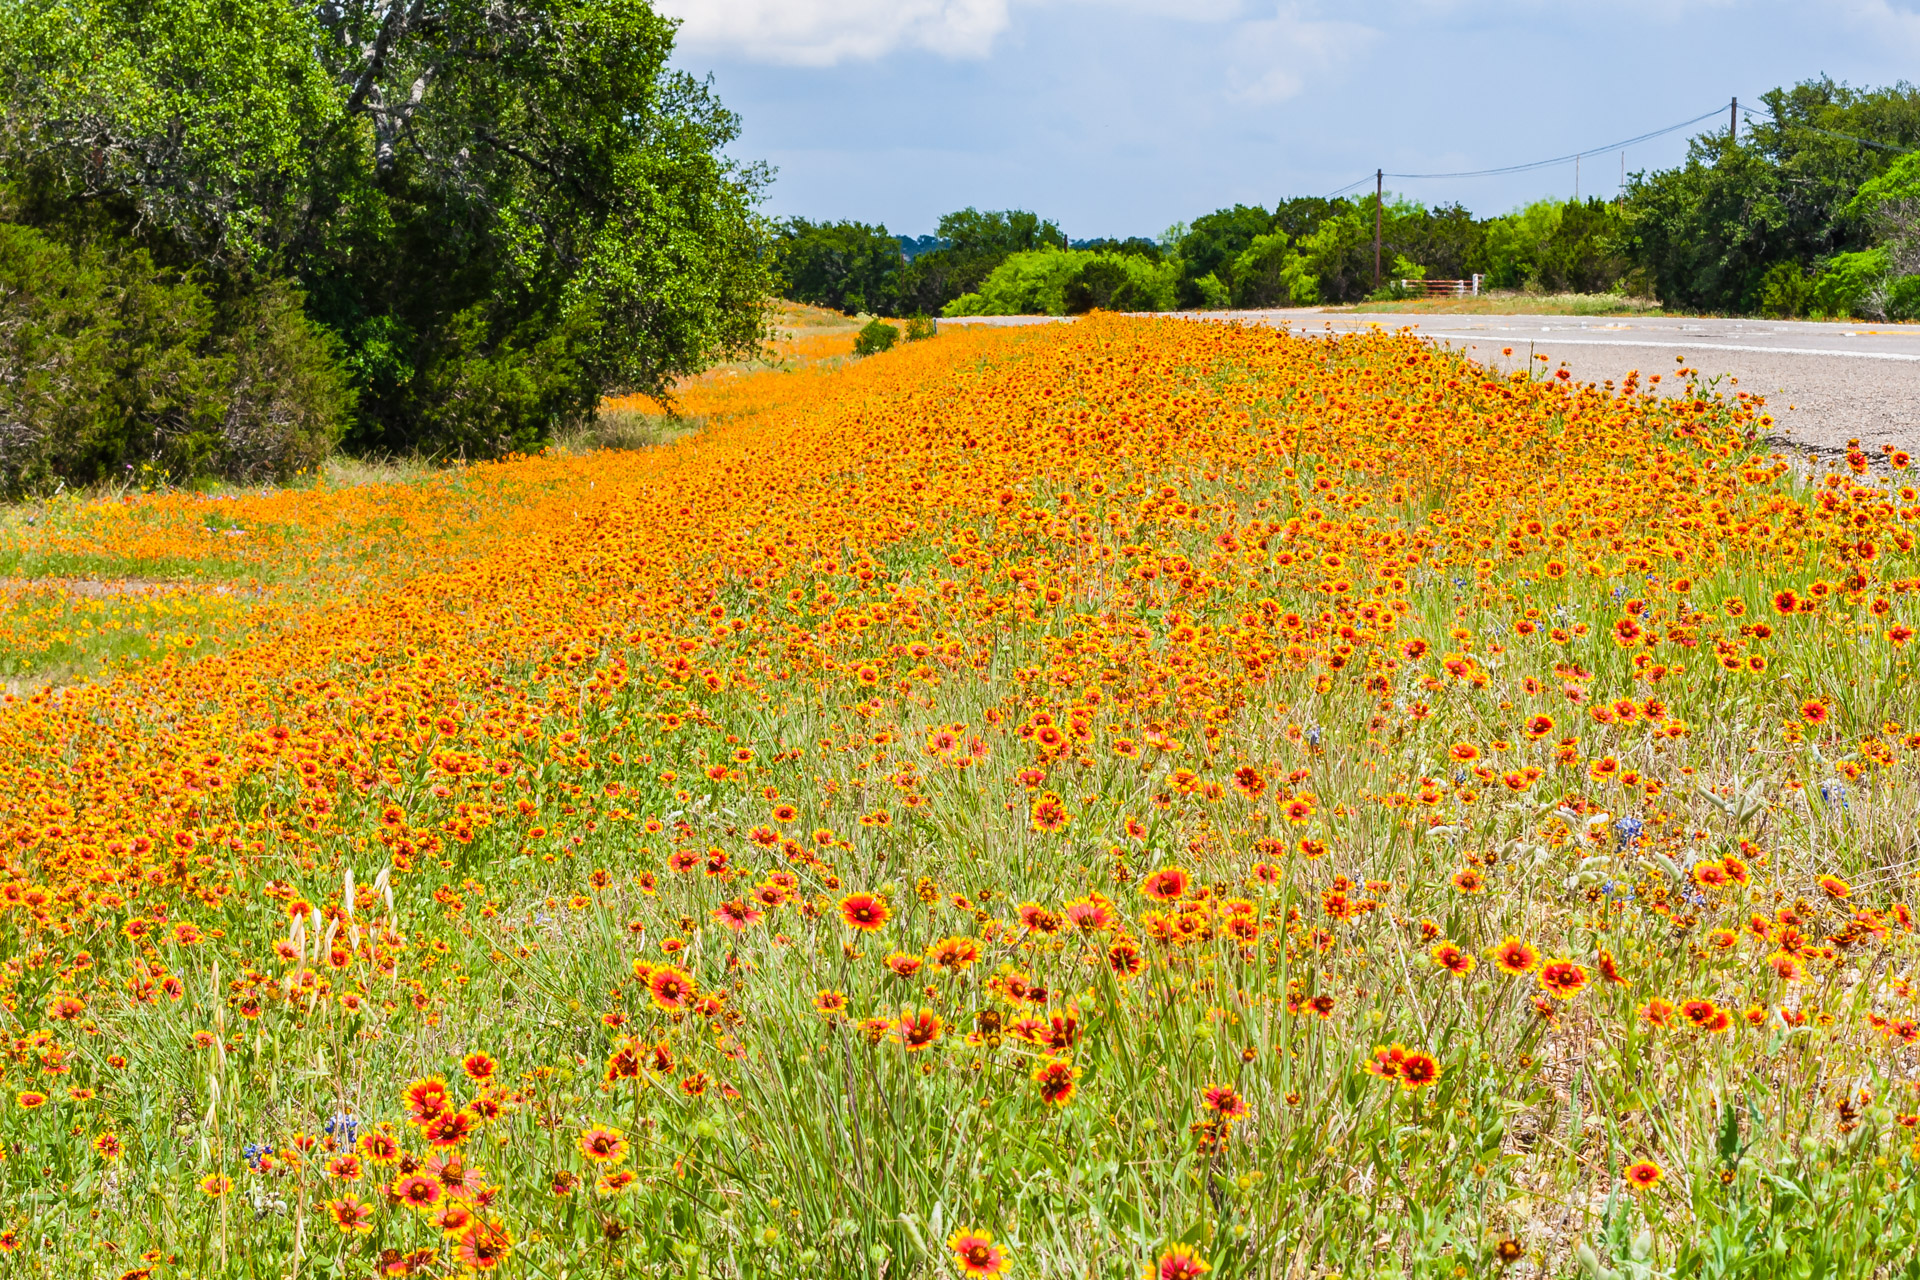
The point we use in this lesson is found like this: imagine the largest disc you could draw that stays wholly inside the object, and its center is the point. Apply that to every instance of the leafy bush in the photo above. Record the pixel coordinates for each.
(1785, 290)
(1851, 284)
(878, 336)
(1123, 281)
(1711, 230)
(921, 327)
(1056, 282)
(112, 362)
(1024, 284)
(1903, 298)
(1210, 293)
(289, 399)
(480, 393)
(1209, 248)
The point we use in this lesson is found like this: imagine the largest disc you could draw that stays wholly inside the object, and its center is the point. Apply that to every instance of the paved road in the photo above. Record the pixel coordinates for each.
(1824, 383)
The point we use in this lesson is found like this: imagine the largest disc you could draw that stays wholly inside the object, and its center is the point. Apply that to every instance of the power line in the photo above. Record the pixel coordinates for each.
(1827, 133)
(1566, 159)
(1334, 195)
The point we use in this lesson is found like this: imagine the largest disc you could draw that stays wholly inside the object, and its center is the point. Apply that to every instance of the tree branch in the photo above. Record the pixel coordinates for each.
(398, 19)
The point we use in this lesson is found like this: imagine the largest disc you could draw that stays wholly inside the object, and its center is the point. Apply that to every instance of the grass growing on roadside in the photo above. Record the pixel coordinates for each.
(1052, 802)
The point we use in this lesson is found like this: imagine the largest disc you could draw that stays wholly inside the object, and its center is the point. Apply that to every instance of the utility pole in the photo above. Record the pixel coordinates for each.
(1733, 122)
(1576, 179)
(1378, 194)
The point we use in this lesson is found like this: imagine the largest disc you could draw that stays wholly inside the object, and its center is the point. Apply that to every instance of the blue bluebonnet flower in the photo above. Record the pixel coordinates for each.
(343, 1128)
(1626, 831)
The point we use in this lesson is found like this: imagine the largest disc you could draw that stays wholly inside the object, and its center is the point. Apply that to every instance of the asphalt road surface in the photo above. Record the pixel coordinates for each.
(1825, 383)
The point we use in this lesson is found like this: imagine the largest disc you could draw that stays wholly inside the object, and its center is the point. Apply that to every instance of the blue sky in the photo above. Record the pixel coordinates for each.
(1124, 117)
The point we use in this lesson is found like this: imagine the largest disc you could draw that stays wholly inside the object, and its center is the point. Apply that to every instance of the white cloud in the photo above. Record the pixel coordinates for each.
(1275, 59)
(819, 33)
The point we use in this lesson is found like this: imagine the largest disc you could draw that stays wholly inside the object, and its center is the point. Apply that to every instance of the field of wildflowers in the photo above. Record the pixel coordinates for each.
(1129, 798)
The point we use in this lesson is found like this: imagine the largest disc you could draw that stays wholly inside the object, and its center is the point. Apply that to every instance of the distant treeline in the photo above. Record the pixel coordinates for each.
(1813, 211)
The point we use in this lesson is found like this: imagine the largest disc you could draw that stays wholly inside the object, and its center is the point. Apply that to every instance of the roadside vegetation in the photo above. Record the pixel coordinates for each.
(1813, 211)
(1123, 798)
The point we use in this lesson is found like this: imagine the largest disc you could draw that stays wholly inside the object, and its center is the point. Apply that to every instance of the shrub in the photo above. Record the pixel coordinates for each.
(921, 326)
(1024, 284)
(1850, 284)
(1785, 290)
(1903, 298)
(483, 394)
(1096, 287)
(1558, 247)
(289, 399)
(1123, 281)
(108, 361)
(878, 336)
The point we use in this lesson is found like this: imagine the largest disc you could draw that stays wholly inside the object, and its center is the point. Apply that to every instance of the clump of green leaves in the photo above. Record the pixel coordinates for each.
(878, 336)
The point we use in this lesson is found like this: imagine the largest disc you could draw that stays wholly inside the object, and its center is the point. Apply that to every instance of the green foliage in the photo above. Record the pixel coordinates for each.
(484, 393)
(524, 184)
(1899, 182)
(876, 337)
(921, 327)
(1786, 290)
(1864, 284)
(1210, 292)
(1851, 284)
(1068, 281)
(848, 266)
(1132, 246)
(115, 363)
(289, 399)
(1302, 215)
(1335, 260)
(1903, 297)
(1030, 283)
(1711, 231)
(1124, 281)
(977, 243)
(1209, 248)
(1260, 272)
(1554, 246)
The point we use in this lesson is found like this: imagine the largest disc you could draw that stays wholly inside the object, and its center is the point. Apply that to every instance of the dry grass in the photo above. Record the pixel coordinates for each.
(1517, 304)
